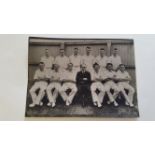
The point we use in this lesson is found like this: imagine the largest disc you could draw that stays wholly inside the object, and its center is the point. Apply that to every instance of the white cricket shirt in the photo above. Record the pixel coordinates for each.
(48, 61)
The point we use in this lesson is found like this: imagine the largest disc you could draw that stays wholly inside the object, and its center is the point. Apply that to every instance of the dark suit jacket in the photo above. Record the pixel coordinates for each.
(83, 78)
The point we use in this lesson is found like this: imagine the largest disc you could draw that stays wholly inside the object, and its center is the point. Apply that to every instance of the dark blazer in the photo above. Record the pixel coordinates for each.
(83, 78)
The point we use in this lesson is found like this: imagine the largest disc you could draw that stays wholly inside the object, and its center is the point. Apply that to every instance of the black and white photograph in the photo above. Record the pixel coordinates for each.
(76, 75)
(81, 77)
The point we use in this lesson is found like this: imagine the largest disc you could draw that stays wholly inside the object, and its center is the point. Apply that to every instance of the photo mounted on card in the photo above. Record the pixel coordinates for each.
(81, 77)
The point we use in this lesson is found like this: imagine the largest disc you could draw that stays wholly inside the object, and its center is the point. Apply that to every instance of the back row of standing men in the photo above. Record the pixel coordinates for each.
(70, 67)
(76, 59)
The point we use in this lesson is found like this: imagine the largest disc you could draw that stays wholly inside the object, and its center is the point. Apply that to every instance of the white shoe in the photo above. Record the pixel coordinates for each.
(32, 105)
(131, 105)
(115, 104)
(41, 103)
(108, 102)
(67, 103)
(53, 105)
(99, 105)
(126, 103)
(49, 104)
(95, 103)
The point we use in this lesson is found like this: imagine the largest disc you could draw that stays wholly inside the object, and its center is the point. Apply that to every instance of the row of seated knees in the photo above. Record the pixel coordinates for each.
(76, 90)
(78, 99)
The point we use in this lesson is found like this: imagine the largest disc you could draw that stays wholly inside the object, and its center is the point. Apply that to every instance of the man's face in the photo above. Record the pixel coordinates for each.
(88, 51)
(70, 67)
(110, 67)
(115, 52)
(76, 51)
(41, 66)
(56, 67)
(102, 52)
(122, 68)
(83, 68)
(62, 52)
(46, 53)
(96, 67)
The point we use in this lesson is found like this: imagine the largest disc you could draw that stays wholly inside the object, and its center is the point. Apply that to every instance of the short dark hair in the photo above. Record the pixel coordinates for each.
(115, 48)
(76, 48)
(109, 64)
(122, 65)
(42, 63)
(70, 63)
(46, 48)
(95, 64)
(88, 47)
(102, 48)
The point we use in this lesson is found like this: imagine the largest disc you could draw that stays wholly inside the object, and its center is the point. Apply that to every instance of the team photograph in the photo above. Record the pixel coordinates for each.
(81, 77)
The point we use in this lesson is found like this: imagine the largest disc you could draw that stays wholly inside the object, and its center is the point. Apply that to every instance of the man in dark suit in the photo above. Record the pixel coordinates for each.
(83, 80)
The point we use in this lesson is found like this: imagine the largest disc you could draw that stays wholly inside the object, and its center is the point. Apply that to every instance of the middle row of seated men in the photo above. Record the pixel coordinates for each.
(97, 79)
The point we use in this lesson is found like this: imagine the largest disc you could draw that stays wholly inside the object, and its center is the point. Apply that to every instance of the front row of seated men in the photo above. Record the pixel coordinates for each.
(55, 82)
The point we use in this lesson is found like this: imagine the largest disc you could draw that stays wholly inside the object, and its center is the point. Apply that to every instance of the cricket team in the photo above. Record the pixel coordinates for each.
(101, 75)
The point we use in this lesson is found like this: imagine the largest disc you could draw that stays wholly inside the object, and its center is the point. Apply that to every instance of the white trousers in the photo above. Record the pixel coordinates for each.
(41, 85)
(97, 98)
(71, 95)
(111, 85)
(125, 85)
(53, 96)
